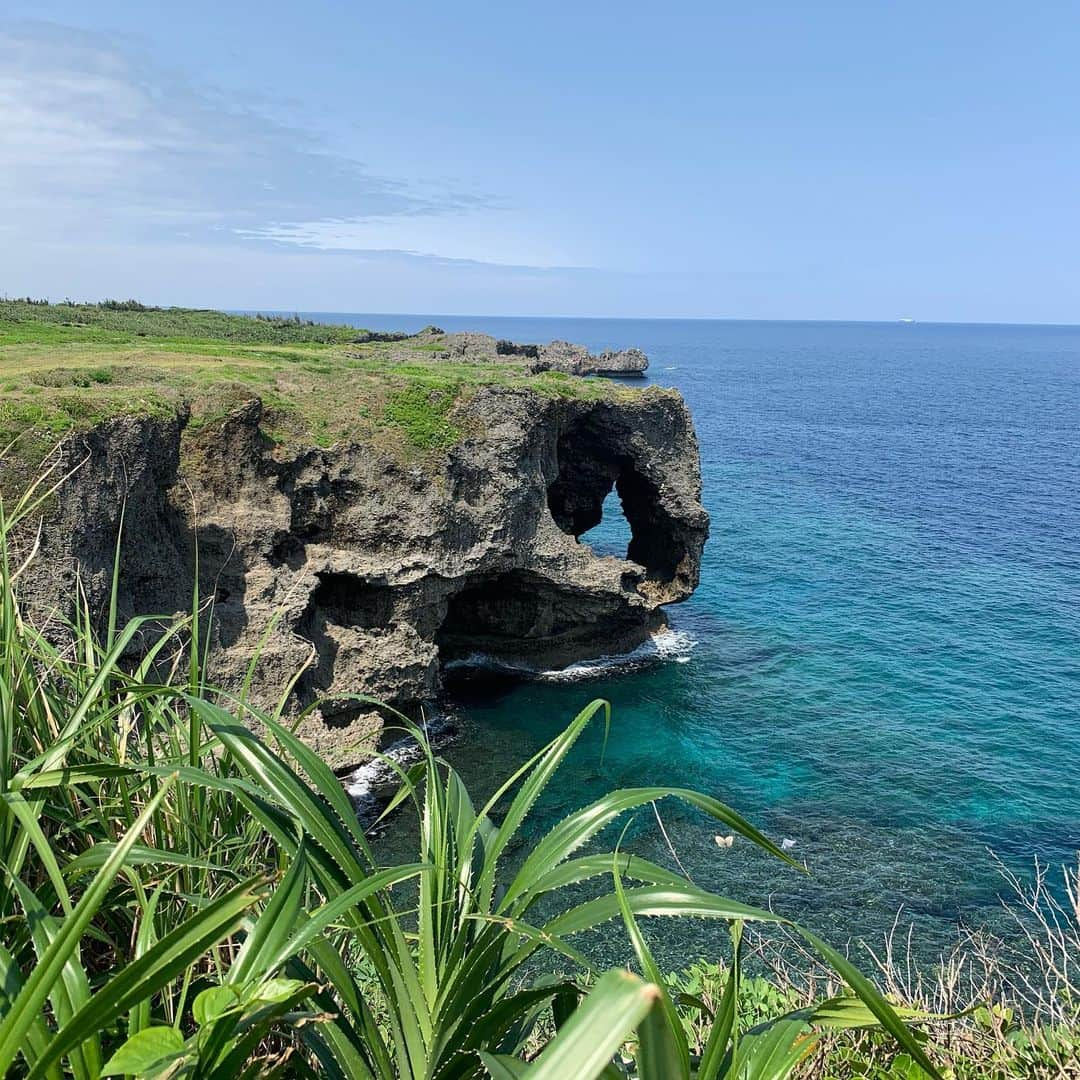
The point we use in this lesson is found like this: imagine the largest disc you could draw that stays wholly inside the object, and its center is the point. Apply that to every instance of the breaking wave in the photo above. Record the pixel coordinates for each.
(370, 784)
(668, 645)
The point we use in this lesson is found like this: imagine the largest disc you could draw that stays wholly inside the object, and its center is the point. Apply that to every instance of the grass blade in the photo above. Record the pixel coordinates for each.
(28, 1003)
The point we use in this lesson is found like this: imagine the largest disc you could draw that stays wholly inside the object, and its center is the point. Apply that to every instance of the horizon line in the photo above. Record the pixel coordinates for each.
(898, 321)
(642, 318)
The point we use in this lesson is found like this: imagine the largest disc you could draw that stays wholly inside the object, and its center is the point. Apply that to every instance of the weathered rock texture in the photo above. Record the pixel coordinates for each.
(577, 360)
(564, 356)
(380, 572)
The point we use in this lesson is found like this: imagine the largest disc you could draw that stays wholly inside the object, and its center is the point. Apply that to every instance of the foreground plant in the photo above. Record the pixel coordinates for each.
(180, 896)
(625, 1007)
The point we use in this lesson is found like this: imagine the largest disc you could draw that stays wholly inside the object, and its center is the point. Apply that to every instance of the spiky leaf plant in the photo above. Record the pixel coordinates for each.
(182, 896)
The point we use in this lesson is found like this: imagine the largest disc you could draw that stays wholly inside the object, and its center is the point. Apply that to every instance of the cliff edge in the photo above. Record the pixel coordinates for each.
(368, 524)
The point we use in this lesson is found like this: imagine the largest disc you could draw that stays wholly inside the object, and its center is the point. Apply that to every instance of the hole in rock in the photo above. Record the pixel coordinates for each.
(348, 600)
(612, 535)
(597, 478)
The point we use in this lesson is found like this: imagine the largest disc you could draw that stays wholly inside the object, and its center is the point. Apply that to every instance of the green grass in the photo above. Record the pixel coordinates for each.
(421, 411)
(64, 369)
(22, 321)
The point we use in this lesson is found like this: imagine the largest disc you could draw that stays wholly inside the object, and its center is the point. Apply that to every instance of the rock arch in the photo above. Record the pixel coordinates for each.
(591, 462)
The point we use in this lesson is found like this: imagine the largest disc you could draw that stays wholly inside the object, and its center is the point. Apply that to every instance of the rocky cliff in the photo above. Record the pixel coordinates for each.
(380, 570)
(565, 356)
(577, 360)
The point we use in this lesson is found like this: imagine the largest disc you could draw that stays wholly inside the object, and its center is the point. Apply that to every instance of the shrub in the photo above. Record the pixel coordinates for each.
(422, 412)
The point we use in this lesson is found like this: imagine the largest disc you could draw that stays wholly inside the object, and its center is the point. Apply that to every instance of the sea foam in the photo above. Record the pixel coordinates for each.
(669, 645)
(371, 783)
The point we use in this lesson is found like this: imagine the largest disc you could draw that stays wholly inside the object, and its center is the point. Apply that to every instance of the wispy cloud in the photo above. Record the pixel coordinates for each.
(99, 143)
(477, 236)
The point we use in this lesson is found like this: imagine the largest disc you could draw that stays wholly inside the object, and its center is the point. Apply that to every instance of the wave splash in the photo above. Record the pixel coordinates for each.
(371, 783)
(668, 645)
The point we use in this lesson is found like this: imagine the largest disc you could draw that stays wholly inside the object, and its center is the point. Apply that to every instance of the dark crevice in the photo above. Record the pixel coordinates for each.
(512, 607)
(524, 619)
(348, 600)
(483, 687)
(287, 550)
(340, 602)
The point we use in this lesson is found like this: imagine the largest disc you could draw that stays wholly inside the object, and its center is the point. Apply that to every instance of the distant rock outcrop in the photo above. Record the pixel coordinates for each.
(472, 347)
(620, 362)
(577, 360)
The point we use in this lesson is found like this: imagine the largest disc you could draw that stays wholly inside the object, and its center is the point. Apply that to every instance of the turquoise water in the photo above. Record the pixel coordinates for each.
(886, 657)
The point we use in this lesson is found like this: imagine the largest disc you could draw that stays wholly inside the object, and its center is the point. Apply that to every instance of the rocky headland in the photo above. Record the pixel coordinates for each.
(437, 522)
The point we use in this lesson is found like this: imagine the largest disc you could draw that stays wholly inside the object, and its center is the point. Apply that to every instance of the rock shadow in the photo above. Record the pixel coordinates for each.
(522, 619)
(339, 604)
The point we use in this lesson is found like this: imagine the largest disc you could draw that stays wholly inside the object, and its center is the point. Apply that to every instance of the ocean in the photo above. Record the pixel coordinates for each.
(882, 662)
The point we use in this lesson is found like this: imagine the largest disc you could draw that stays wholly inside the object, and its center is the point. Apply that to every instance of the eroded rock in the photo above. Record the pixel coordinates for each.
(564, 356)
(577, 360)
(373, 572)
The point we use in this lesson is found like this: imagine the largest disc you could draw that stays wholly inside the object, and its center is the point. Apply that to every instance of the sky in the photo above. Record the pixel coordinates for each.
(786, 160)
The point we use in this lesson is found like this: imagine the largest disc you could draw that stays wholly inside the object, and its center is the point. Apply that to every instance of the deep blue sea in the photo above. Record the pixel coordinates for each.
(882, 662)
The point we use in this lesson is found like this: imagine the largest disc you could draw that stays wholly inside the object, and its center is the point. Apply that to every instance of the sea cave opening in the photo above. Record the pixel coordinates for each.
(503, 615)
(509, 625)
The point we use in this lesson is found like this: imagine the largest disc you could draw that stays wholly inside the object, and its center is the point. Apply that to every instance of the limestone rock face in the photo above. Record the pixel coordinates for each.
(564, 356)
(577, 360)
(374, 573)
(620, 362)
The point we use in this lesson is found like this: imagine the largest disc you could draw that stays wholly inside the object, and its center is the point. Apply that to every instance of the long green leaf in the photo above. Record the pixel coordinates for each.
(658, 1055)
(686, 902)
(599, 1026)
(663, 1050)
(870, 995)
(333, 910)
(726, 1017)
(577, 829)
(503, 1067)
(35, 991)
(159, 965)
(273, 925)
(574, 871)
(773, 1050)
(37, 1038)
(547, 762)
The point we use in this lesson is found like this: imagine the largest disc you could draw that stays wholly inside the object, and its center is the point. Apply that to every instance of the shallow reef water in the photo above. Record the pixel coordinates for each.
(882, 662)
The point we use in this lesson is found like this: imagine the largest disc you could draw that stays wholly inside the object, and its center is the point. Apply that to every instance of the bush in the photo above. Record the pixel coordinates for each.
(422, 412)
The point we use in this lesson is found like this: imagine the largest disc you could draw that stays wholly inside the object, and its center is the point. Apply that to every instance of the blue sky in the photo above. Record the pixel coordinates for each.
(771, 160)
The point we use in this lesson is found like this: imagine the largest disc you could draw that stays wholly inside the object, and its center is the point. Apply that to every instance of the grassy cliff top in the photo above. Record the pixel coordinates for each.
(65, 367)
